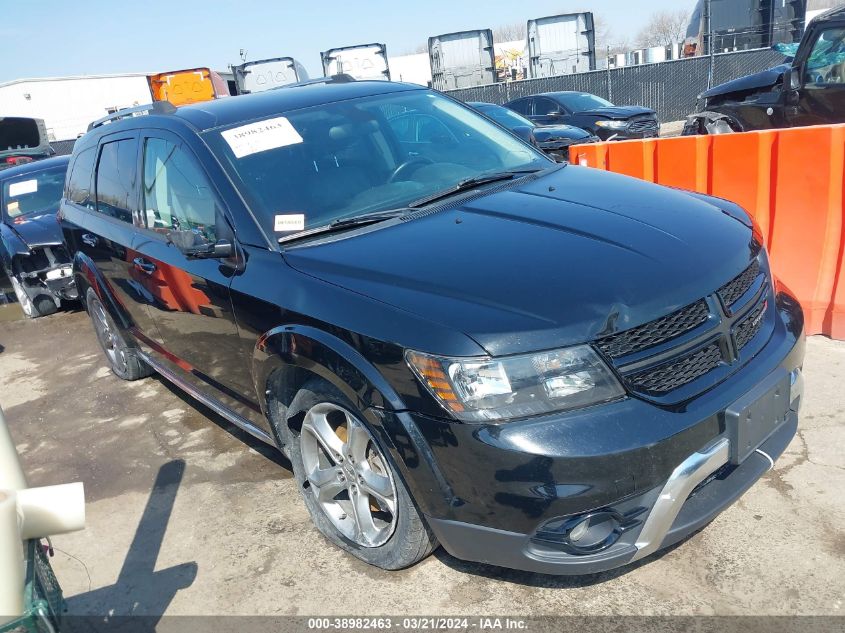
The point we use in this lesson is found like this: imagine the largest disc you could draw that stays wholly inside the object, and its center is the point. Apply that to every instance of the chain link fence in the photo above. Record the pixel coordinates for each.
(671, 88)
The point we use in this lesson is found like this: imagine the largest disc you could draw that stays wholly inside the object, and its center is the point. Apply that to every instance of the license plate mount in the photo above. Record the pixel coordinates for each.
(755, 416)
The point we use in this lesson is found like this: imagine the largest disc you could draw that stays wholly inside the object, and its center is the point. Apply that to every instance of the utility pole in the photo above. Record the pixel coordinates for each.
(609, 82)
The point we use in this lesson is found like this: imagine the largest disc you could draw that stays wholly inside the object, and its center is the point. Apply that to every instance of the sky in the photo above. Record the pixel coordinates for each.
(54, 38)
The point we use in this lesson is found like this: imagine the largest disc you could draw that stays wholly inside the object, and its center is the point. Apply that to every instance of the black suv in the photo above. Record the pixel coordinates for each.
(808, 89)
(455, 340)
(591, 113)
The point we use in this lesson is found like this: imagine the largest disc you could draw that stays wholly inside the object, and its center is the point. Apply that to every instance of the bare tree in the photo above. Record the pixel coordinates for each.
(512, 32)
(664, 28)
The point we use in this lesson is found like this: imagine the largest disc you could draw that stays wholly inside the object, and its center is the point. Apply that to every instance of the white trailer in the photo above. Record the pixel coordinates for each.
(462, 60)
(363, 61)
(561, 44)
(265, 74)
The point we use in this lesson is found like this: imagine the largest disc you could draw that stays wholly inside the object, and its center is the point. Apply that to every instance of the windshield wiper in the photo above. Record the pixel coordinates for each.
(342, 224)
(470, 183)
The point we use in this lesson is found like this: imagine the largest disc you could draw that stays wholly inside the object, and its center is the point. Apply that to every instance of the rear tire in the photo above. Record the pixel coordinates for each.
(350, 486)
(123, 360)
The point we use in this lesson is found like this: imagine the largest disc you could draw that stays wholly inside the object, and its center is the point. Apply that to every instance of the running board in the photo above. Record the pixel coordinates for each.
(212, 403)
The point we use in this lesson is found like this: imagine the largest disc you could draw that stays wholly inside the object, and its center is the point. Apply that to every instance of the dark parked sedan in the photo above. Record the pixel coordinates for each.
(32, 252)
(589, 112)
(555, 140)
(454, 339)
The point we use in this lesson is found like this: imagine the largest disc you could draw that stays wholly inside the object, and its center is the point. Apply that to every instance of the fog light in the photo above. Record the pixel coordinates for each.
(578, 532)
(588, 533)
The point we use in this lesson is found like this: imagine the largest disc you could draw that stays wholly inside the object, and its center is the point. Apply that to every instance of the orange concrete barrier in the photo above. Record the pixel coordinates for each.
(790, 180)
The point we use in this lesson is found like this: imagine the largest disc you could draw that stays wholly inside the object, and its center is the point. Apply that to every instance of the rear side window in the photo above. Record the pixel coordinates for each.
(521, 106)
(116, 179)
(79, 181)
(177, 196)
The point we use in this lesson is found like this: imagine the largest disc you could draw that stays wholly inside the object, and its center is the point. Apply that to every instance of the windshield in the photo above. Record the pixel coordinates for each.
(336, 160)
(581, 101)
(33, 193)
(503, 116)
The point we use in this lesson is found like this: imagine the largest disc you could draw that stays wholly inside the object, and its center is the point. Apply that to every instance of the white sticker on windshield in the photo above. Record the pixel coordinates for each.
(261, 136)
(289, 222)
(20, 188)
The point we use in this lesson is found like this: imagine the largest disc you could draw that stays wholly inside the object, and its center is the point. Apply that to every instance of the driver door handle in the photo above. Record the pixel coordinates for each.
(144, 265)
(90, 240)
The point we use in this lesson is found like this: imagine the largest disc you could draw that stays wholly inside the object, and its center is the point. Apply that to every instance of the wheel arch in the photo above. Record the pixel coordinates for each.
(287, 357)
(87, 275)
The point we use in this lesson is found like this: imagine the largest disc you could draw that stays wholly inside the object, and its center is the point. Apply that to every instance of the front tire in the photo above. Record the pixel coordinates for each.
(353, 492)
(123, 360)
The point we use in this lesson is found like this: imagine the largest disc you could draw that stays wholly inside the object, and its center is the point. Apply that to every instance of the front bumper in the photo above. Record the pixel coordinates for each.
(503, 485)
(674, 515)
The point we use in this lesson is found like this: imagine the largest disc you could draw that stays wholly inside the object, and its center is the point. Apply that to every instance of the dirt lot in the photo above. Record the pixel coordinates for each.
(186, 515)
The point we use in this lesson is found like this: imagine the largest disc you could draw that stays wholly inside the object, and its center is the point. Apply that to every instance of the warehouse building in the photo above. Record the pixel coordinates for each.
(69, 104)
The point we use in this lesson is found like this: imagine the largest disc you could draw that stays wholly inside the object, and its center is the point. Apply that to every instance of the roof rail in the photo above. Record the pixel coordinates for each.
(340, 78)
(157, 107)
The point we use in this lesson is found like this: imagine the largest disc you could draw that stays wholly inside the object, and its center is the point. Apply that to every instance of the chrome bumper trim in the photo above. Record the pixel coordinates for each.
(683, 480)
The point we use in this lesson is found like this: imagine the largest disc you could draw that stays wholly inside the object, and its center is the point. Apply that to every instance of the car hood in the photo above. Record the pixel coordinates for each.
(762, 79)
(37, 230)
(619, 112)
(555, 132)
(558, 260)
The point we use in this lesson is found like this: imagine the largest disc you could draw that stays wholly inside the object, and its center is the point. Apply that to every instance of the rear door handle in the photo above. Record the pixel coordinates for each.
(90, 240)
(144, 265)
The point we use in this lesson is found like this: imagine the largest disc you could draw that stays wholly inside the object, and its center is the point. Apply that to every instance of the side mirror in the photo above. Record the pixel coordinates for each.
(216, 250)
(524, 132)
(194, 244)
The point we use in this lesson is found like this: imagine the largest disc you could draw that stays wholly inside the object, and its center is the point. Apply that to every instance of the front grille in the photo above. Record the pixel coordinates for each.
(739, 285)
(673, 367)
(655, 332)
(665, 378)
(749, 326)
(642, 125)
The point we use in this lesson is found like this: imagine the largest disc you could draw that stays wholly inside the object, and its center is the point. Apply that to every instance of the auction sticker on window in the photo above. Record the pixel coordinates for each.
(289, 222)
(259, 137)
(23, 187)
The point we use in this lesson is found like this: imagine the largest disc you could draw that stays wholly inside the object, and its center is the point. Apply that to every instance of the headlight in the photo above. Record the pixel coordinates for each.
(612, 125)
(480, 389)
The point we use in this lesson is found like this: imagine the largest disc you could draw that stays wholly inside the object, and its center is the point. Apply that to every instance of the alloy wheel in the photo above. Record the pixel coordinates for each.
(109, 339)
(348, 475)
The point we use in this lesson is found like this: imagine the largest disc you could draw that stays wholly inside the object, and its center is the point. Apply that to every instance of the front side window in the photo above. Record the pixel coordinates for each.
(177, 196)
(36, 193)
(116, 172)
(318, 164)
(79, 183)
(545, 106)
(826, 64)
